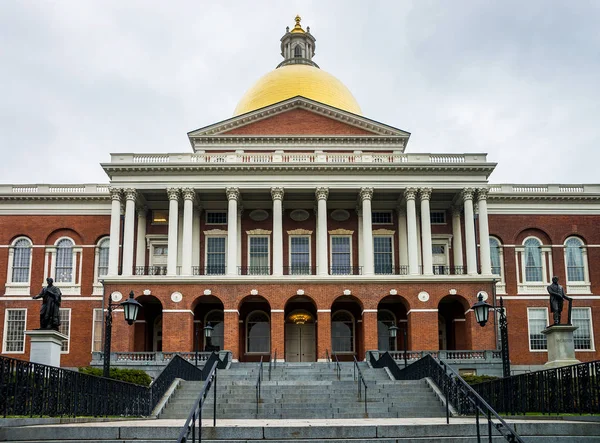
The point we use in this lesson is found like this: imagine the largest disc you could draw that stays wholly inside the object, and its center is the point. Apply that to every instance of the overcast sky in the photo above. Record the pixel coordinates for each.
(518, 80)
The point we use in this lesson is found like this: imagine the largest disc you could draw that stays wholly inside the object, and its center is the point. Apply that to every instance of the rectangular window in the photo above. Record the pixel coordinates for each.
(97, 330)
(14, 330)
(300, 255)
(538, 321)
(216, 217)
(383, 255)
(381, 217)
(160, 217)
(258, 255)
(582, 336)
(341, 258)
(65, 328)
(437, 217)
(215, 255)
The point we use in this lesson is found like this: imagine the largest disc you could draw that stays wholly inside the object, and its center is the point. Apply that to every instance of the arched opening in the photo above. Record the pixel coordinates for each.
(255, 328)
(300, 330)
(452, 330)
(208, 310)
(297, 51)
(346, 328)
(391, 311)
(148, 326)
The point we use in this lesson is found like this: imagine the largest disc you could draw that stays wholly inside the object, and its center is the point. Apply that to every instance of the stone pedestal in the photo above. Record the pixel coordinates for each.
(561, 348)
(45, 346)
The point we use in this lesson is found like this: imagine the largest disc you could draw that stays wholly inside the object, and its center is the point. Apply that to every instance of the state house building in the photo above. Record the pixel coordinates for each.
(302, 227)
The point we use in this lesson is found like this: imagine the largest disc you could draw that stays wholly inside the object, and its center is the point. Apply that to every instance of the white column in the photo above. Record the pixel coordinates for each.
(457, 247)
(240, 212)
(402, 240)
(115, 234)
(140, 252)
(411, 229)
(322, 257)
(173, 194)
(277, 195)
(366, 195)
(188, 222)
(196, 239)
(361, 252)
(128, 231)
(427, 254)
(233, 194)
(484, 232)
(470, 232)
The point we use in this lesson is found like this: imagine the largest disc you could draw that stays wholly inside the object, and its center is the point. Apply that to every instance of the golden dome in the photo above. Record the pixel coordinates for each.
(292, 80)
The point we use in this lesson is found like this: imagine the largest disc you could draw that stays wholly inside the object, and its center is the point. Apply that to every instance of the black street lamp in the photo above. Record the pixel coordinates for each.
(393, 333)
(131, 307)
(482, 312)
(208, 330)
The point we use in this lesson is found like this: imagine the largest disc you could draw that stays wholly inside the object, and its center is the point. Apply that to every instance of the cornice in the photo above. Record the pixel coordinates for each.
(531, 197)
(54, 197)
(299, 140)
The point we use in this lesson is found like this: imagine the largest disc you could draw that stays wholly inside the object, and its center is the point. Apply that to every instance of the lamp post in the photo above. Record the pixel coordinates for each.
(393, 333)
(482, 312)
(196, 344)
(208, 330)
(131, 307)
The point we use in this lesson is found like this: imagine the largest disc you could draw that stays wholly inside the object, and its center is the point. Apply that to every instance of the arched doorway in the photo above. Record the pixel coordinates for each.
(208, 310)
(452, 330)
(148, 326)
(255, 328)
(300, 330)
(391, 311)
(346, 328)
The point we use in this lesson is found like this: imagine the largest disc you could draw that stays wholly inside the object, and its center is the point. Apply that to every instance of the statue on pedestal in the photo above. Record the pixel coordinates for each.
(50, 311)
(557, 295)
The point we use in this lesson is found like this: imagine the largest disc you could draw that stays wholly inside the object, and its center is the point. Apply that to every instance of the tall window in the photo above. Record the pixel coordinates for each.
(300, 255)
(215, 255)
(258, 258)
(258, 333)
(215, 319)
(385, 319)
(495, 256)
(103, 257)
(64, 261)
(341, 258)
(538, 320)
(582, 336)
(574, 259)
(21, 261)
(342, 332)
(297, 51)
(533, 260)
(97, 330)
(65, 328)
(14, 330)
(383, 255)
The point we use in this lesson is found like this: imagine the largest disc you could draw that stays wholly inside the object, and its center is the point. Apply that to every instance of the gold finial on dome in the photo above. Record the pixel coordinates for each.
(297, 27)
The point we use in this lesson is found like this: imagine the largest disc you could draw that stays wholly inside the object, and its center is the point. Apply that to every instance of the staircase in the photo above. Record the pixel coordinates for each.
(308, 391)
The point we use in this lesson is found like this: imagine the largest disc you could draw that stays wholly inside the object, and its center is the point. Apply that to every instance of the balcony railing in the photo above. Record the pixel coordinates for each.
(450, 356)
(208, 270)
(345, 270)
(254, 270)
(299, 270)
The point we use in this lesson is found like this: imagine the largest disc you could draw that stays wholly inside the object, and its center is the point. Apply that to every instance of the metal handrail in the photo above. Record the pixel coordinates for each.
(327, 359)
(336, 367)
(258, 383)
(272, 363)
(361, 379)
(196, 413)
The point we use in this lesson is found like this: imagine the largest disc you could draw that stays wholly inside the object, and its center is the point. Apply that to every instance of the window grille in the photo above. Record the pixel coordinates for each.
(300, 255)
(538, 320)
(216, 217)
(21, 261)
(381, 217)
(383, 255)
(97, 325)
(64, 261)
(65, 328)
(582, 336)
(437, 217)
(14, 330)
(259, 256)
(215, 255)
(340, 256)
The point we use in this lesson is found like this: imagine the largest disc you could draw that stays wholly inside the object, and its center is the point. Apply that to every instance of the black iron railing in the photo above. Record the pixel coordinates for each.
(336, 366)
(208, 270)
(299, 270)
(177, 368)
(272, 363)
(571, 389)
(258, 384)
(345, 270)
(327, 359)
(254, 270)
(361, 383)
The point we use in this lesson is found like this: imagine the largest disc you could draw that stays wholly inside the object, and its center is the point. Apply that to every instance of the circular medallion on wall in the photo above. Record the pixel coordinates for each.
(259, 215)
(176, 297)
(207, 292)
(393, 292)
(347, 292)
(483, 294)
(254, 292)
(116, 296)
(300, 292)
(340, 215)
(423, 296)
(299, 215)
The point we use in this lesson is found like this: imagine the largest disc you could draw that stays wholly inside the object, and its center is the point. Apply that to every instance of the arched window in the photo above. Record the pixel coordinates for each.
(215, 319)
(21, 260)
(297, 51)
(385, 319)
(258, 333)
(342, 332)
(103, 257)
(64, 261)
(575, 260)
(533, 260)
(495, 256)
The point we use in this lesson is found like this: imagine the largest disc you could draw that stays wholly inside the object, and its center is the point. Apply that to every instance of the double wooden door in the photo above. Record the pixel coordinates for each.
(300, 342)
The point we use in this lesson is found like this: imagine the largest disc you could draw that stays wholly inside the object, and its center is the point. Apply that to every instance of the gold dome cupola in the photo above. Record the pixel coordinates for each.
(297, 46)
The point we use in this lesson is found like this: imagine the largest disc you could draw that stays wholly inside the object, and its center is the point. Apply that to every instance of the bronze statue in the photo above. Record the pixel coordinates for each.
(50, 311)
(557, 295)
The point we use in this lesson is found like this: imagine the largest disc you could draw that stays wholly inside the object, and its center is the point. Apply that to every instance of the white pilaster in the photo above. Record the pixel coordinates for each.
(322, 258)
(411, 228)
(484, 232)
(277, 195)
(140, 254)
(240, 213)
(115, 234)
(457, 246)
(402, 239)
(470, 232)
(173, 194)
(427, 253)
(366, 195)
(188, 221)
(128, 231)
(196, 239)
(233, 194)
(361, 252)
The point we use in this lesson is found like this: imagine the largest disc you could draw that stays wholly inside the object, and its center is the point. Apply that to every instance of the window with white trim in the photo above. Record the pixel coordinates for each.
(533, 260)
(102, 265)
(437, 217)
(383, 254)
(215, 255)
(21, 263)
(216, 217)
(578, 280)
(342, 332)
(299, 255)
(65, 328)
(97, 324)
(534, 263)
(64, 261)
(258, 333)
(381, 217)
(341, 255)
(497, 262)
(537, 321)
(15, 321)
(258, 255)
(582, 336)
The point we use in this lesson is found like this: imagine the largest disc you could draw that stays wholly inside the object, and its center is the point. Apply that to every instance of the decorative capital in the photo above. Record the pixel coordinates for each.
(482, 193)
(173, 193)
(142, 211)
(322, 193)
(366, 194)
(410, 193)
(130, 194)
(400, 210)
(232, 193)
(115, 193)
(467, 193)
(277, 193)
(425, 193)
(188, 193)
(456, 211)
